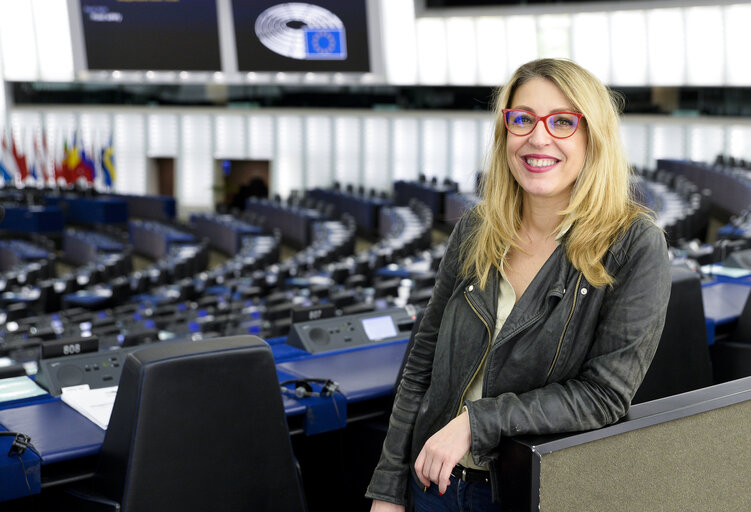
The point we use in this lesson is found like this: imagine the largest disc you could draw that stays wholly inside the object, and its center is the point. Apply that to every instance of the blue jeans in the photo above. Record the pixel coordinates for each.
(459, 497)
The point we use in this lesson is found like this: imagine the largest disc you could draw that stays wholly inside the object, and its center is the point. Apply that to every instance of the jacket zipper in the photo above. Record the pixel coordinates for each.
(565, 326)
(484, 356)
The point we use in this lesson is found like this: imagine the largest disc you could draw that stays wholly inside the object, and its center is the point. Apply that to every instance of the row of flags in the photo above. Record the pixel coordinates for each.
(75, 165)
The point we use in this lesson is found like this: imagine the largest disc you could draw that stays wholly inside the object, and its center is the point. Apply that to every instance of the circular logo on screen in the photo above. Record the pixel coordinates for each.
(302, 31)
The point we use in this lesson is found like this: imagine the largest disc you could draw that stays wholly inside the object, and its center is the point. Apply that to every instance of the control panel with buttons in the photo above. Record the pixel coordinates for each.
(98, 370)
(352, 330)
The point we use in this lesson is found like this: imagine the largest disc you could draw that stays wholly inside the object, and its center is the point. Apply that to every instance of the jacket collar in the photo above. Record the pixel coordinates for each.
(551, 280)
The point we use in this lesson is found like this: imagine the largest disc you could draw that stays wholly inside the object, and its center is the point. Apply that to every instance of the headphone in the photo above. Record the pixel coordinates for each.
(302, 388)
(20, 443)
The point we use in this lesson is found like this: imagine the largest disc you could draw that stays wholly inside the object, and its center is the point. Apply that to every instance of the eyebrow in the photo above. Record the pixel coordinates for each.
(524, 107)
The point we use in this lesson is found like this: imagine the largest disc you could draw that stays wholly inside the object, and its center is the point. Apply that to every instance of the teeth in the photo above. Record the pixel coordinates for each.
(540, 162)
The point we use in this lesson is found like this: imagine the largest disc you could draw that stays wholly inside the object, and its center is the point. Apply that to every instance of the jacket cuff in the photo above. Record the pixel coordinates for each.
(478, 451)
(383, 484)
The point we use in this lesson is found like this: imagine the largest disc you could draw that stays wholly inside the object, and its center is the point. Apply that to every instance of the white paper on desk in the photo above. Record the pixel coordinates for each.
(15, 388)
(95, 404)
(716, 269)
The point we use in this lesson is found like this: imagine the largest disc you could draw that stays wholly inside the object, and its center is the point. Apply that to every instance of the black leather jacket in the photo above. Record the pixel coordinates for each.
(569, 356)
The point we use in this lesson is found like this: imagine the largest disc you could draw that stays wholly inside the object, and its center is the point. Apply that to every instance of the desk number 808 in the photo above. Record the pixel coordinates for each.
(75, 348)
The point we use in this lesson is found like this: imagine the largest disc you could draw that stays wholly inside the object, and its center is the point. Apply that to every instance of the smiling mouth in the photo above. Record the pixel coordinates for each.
(540, 162)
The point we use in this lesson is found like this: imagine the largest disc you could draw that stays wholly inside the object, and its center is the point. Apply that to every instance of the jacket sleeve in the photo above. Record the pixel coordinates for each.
(391, 477)
(629, 326)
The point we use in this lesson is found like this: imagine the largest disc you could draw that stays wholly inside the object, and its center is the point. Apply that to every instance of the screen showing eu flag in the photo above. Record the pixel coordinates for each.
(323, 35)
(160, 35)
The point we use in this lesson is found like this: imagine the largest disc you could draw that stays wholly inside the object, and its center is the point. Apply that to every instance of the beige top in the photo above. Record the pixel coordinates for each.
(506, 301)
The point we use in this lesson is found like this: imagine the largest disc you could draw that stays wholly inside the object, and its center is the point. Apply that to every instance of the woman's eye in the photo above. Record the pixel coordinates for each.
(524, 120)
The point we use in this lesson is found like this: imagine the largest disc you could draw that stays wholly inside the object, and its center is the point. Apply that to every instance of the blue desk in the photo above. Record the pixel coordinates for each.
(99, 210)
(63, 436)
(33, 219)
(723, 301)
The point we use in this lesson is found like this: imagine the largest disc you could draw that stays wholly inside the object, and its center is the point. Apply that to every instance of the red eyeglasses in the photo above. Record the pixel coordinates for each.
(560, 125)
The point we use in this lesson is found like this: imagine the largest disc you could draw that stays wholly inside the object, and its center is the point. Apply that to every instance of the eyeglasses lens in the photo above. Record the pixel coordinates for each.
(520, 122)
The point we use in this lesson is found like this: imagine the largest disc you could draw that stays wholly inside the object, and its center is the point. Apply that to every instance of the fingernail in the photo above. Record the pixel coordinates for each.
(440, 493)
(424, 488)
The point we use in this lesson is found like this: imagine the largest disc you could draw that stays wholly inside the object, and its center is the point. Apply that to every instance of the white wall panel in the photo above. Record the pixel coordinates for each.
(129, 140)
(628, 42)
(492, 58)
(705, 47)
(635, 138)
(521, 41)
(260, 137)
(667, 49)
(435, 147)
(288, 174)
(399, 41)
(668, 141)
(737, 43)
(461, 51)
(17, 41)
(23, 127)
(163, 135)
(740, 141)
(405, 143)
(95, 129)
(195, 169)
(464, 150)
(706, 141)
(319, 164)
(432, 64)
(376, 161)
(586, 28)
(53, 40)
(229, 136)
(59, 126)
(347, 150)
(554, 35)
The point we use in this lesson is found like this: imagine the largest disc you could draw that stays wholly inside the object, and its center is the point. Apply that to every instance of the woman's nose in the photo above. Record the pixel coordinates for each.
(540, 135)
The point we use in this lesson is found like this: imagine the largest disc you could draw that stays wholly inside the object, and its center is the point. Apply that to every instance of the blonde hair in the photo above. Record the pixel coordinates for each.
(601, 205)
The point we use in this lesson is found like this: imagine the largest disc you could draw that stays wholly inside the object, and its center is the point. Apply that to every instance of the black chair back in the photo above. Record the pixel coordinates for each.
(199, 426)
(682, 361)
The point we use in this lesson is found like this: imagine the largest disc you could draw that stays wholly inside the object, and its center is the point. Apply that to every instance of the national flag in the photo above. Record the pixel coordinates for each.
(87, 170)
(7, 178)
(10, 167)
(23, 168)
(107, 158)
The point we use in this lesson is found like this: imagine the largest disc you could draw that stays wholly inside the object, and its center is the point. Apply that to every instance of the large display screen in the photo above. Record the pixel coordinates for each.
(326, 36)
(379, 328)
(160, 35)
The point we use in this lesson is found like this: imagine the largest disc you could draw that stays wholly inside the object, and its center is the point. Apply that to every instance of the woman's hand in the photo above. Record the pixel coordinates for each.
(385, 506)
(442, 451)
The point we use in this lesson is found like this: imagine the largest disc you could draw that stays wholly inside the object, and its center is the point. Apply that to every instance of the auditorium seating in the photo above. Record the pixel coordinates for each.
(225, 233)
(294, 222)
(365, 209)
(431, 193)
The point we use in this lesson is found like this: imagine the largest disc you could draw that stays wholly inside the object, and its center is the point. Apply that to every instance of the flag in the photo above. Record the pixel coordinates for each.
(10, 167)
(87, 170)
(23, 168)
(62, 173)
(107, 158)
(7, 178)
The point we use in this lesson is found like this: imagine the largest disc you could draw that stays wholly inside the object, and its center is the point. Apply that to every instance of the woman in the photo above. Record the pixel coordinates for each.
(548, 305)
